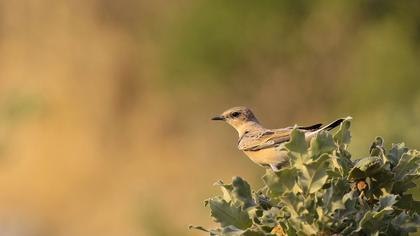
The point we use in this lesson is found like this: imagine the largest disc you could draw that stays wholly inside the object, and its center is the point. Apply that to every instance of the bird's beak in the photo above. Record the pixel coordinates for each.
(218, 118)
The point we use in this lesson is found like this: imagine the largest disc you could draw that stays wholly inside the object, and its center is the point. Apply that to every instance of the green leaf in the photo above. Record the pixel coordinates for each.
(356, 174)
(369, 164)
(307, 229)
(341, 163)
(408, 165)
(407, 202)
(293, 203)
(226, 214)
(406, 171)
(332, 198)
(239, 192)
(348, 206)
(269, 217)
(403, 224)
(297, 142)
(396, 152)
(377, 147)
(242, 192)
(229, 231)
(211, 231)
(250, 232)
(386, 201)
(232, 231)
(373, 222)
(343, 136)
(313, 175)
(281, 181)
(322, 143)
(365, 167)
(226, 190)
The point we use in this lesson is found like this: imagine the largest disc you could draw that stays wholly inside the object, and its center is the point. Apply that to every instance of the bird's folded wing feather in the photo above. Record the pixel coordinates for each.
(257, 140)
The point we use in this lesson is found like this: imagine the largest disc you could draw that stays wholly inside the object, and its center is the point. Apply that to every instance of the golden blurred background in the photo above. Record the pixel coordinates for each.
(105, 105)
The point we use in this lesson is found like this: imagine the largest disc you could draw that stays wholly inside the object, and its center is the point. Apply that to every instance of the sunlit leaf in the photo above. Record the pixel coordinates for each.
(280, 181)
(313, 175)
(226, 214)
(343, 136)
(322, 143)
(297, 143)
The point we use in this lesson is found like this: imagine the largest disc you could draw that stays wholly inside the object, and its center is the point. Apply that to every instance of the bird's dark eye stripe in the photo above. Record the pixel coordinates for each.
(235, 114)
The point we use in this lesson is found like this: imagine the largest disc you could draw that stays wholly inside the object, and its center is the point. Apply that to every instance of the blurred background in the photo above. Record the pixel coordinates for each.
(105, 105)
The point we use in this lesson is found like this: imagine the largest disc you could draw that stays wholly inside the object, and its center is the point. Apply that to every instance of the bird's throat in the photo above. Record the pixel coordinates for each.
(247, 127)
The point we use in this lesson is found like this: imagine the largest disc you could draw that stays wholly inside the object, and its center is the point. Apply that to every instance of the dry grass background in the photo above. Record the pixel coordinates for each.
(103, 104)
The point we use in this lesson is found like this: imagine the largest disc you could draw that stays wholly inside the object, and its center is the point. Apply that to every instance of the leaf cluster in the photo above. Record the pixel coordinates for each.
(324, 192)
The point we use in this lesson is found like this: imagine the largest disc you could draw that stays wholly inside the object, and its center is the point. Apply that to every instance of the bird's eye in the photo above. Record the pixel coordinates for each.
(235, 114)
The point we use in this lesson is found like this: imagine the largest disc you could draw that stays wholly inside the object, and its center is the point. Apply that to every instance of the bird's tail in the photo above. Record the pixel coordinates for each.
(328, 127)
(334, 124)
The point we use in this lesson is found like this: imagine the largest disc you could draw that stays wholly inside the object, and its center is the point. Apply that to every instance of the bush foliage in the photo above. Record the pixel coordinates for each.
(324, 192)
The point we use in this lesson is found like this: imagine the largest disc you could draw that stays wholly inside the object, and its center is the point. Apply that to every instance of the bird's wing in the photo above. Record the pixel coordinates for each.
(257, 140)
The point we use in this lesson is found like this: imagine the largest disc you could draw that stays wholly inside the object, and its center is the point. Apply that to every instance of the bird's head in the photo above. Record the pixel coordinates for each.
(237, 117)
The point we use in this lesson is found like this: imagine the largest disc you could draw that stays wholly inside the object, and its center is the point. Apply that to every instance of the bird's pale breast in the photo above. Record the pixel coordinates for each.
(267, 156)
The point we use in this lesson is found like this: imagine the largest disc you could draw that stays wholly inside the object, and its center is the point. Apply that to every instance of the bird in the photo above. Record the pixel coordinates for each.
(265, 146)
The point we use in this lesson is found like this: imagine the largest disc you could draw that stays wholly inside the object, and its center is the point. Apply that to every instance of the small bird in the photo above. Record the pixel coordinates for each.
(265, 146)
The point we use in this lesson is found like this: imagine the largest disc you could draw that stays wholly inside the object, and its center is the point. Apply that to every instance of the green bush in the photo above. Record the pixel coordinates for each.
(324, 192)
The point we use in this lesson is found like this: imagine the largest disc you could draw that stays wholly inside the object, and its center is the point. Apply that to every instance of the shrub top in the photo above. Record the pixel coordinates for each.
(324, 192)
